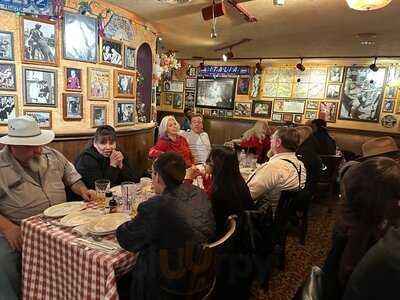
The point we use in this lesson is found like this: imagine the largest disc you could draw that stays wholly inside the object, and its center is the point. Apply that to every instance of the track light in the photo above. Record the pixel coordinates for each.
(201, 65)
(213, 34)
(373, 66)
(278, 2)
(224, 57)
(227, 55)
(259, 67)
(300, 66)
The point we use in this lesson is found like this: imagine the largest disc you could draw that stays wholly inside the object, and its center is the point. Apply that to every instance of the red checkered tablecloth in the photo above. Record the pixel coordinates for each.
(53, 267)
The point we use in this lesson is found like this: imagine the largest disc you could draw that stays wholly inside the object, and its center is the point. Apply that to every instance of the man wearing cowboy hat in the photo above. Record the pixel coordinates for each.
(32, 178)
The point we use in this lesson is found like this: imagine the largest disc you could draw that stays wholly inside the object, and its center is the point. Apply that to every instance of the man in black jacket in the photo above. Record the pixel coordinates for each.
(179, 215)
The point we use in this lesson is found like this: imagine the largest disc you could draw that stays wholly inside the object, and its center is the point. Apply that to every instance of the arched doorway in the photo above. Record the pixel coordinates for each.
(145, 68)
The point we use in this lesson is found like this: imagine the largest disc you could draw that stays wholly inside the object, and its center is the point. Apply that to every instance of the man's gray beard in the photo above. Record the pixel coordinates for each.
(37, 163)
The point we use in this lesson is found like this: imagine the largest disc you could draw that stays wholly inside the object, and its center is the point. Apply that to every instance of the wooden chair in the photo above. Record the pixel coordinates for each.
(327, 182)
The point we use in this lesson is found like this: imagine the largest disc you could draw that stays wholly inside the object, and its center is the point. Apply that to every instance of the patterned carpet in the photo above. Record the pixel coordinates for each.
(300, 258)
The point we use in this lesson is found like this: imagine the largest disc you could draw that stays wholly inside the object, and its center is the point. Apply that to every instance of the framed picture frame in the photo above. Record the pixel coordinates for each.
(333, 91)
(297, 119)
(176, 86)
(177, 102)
(192, 72)
(289, 106)
(111, 52)
(169, 97)
(72, 107)
(39, 41)
(388, 121)
(42, 117)
(261, 109)
(73, 79)
(311, 115)
(242, 109)
(98, 115)
(243, 86)
(40, 86)
(124, 112)
(388, 105)
(190, 83)
(8, 108)
(391, 92)
(82, 47)
(6, 45)
(335, 74)
(277, 117)
(312, 104)
(190, 96)
(218, 93)
(129, 57)
(214, 113)
(158, 99)
(124, 84)
(98, 84)
(8, 79)
(287, 117)
(328, 111)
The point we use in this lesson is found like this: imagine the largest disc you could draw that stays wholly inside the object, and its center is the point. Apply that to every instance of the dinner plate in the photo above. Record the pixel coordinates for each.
(108, 223)
(63, 209)
(80, 218)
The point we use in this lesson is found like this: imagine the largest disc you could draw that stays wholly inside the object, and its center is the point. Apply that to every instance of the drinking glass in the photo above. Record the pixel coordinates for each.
(101, 186)
(128, 193)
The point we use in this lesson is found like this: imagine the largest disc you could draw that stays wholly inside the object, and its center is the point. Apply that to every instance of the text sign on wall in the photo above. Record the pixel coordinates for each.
(39, 7)
(224, 70)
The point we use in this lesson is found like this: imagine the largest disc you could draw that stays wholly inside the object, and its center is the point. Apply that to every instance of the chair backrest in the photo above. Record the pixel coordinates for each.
(230, 231)
(330, 167)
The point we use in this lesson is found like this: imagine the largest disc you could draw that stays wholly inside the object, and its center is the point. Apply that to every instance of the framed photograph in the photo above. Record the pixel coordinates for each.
(82, 46)
(7, 77)
(297, 119)
(39, 41)
(277, 117)
(40, 87)
(389, 121)
(229, 114)
(190, 96)
(243, 85)
(167, 86)
(214, 113)
(124, 112)
(216, 93)
(287, 117)
(312, 104)
(335, 74)
(98, 115)
(8, 108)
(289, 106)
(261, 109)
(221, 113)
(158, 99)
(242, 109)
(310, 115)
(169, 97)
(42, 117)
(388, 106)
(328, 111)
(73, 79)
(192, 72)
(176, 86)
(99, 84)
(130, 57)
(361, 98)
(333, 91)
(6, 45)
(177, 102)
(72, 107)
(111, 52)
(190, 83)
(391, 92)
(124, 84)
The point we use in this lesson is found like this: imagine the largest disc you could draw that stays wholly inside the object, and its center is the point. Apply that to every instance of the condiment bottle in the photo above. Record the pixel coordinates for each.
(113, 205)
(109, 196)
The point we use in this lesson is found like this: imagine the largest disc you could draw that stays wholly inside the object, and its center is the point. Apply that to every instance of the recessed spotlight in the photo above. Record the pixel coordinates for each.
(367, 43)
(224, 57)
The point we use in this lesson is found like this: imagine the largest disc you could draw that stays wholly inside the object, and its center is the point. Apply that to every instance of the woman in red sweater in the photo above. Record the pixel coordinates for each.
(170, 141)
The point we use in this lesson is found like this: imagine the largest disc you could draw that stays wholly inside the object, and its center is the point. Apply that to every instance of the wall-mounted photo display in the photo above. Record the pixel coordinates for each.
(312, 104)
(310, 83)
(216, 92)
(8, 108)
(190, 83)
(40, 86)
(111, 52)
(391, 92)
(168, 98)
(389, 121)
(190, 96)
(124, 112)
(333, 91)
(287, 117)
(335, 74)
(261, 109)
(388, 105)
(192, 72)
(177, 102)
(124, 84)
(80, 38)
(278, 82)
(73, 79)
(42, 117)
(72, 107)
(277, 117)
(297, 119)
(242, 109)
(243, 85)
(311, 115)
(98, 115)
(130, 58)
(7, 77)
(158, 99)
(39, 41)
(99, 84)
(362, 94)
(289, 106)
(6, 45)
(328, 111)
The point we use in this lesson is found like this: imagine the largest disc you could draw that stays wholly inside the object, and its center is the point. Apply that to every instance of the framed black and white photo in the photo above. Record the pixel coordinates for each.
(177, 102)
(388, 106)
(39, 41)
(243, 85)
(310, 115)
(189, 97)
(124, 84)
(42, 117)
(335, 74)
(72, 107)
(312, 104)
(82, 46)
(297, 119)
(124, 112)
(362, 94)
(192, 72)
(277, 117)
(6, 45)
(333, 91)
(130, 58)
(190, 83)
(40, 87)
(111, 52)
(98, 115)
(73, 79)
(216, 93)
(328, 111)
(391, 92)
(389, 121)
(8, 108)
(167, 86)
(98, 84)
(176, 86)
(7, 77)
(242, 109)
(289, 106)
(168, 98)
(261, 109)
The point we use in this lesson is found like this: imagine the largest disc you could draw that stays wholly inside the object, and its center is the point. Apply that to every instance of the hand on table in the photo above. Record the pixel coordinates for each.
(116, 159)
(13, 235)
(89, 195)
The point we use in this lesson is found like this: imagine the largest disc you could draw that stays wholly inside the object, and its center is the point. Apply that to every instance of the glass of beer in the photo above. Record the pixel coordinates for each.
(101, 186)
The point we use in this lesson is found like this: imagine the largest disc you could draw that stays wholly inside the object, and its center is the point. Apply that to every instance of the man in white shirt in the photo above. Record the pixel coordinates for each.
(281, 172)
(198, 140)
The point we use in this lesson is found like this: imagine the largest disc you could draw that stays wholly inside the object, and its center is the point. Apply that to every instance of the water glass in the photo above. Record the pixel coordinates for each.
(101, 186)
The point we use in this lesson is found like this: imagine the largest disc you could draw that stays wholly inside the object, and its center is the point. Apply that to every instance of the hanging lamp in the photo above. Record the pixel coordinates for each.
(367, 4)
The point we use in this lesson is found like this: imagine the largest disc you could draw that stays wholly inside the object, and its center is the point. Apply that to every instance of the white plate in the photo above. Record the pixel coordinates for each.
(108, 223)
(64, 209)
(80, 218)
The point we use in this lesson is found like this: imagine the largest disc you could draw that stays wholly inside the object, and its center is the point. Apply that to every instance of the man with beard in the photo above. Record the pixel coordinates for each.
(32, 178)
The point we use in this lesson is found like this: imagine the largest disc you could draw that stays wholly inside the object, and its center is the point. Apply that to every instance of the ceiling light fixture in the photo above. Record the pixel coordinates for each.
(227, 55)
(224, 57)
(367, 4)
(213, 34)
(373, 66)
(300, 66)
(278, 2)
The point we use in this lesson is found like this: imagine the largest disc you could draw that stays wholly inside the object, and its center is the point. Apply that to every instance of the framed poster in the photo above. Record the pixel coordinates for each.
(190, 83)
(124, 84)
(243, 85)
(312, 104)
(297, 119)
(98, 115)
(242, 109)
(111, 52)
(7, 77)
(391, 92)
(6, 45)
(124, 112)
(73, 79)
(310, 115)
(335, 74)
(177, 102)
(72, 107)
(289, 106)
(328, 111)
(40, 86)
(168, 98)
(261, 109)
(277, 117)
(216, 93)
(333, 91)
(388, 106)
(99, 84)
(8, 108)
(42, 117)
(130, 58)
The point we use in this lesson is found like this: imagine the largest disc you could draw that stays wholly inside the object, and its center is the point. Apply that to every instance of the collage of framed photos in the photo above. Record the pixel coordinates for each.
(39, 46)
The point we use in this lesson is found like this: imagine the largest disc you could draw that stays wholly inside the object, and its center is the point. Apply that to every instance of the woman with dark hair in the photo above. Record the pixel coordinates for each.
(327, 145)
(102, 160)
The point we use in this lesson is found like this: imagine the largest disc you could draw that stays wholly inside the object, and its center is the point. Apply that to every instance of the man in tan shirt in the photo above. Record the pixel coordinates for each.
(32, 178)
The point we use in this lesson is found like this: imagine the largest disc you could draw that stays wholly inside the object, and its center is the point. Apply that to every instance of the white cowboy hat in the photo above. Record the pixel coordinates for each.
(25, 131)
